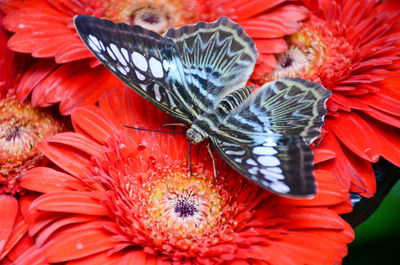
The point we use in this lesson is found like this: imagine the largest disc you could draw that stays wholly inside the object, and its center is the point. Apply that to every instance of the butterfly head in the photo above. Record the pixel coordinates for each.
(194, 136)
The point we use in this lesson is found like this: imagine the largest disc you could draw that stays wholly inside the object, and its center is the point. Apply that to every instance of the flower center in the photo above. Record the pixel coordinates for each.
(14, 134)
(21, 128)
(314, 53)
(185, 207)
(150, 19)
(154, 15)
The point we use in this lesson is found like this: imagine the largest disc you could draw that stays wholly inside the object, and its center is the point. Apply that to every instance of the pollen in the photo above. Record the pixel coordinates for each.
(314, 53)
(21, 128)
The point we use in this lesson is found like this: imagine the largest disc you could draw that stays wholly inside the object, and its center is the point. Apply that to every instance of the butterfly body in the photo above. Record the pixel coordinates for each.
(198, 74)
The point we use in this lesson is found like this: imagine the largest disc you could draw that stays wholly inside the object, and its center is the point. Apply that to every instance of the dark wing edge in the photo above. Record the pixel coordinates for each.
(283, 165)
(116, 45)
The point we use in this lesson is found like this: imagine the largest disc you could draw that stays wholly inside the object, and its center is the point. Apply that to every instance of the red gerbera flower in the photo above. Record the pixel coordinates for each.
(21, 125)
(352, 48)
(127, 196)
(44, 29)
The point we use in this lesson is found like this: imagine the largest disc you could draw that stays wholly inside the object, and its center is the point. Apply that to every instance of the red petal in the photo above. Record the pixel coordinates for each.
(362, 175)
(381, 116)
(19, 230)
(68, 158)
(33, 76)
(138, 257)
(349, 167)
(102, 258)
(243, 9)
(53, 227)
(44, 180)
(314, 218)
(89, 120)
(389, 139)
(8, 213)
(87, 88)
(79, 142)
(271, 25)
(32, 256)
(72, 84)
(329, 191)
(306, 248)
(356, 134)
(77, 244)
(69, 202)
(36, 219)
(271, 45)
(29, 19)
(322, 154)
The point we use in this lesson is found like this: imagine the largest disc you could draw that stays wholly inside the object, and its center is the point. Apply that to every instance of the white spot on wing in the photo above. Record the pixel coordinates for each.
(253, 170)
(122, 70)
(268, 161)
(275, 169)
(280, 187)
(117, 53)
(165, 65)
(238, 160)
(157, 92)
(271, 175)
(140, 76)
(269, 142)
(139, 61)
(251, 162)
(264, 150)
(156, 68)
(94, 43)
(143, 86)
(125, 54)
(111, 54)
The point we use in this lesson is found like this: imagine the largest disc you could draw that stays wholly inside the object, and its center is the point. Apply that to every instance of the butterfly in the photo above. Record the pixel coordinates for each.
(198, 74)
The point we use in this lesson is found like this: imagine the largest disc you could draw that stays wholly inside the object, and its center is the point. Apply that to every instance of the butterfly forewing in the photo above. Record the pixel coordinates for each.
(144, 60)
(218, 58)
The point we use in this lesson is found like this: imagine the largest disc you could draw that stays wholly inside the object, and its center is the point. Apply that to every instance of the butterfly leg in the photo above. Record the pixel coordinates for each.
(212, 159)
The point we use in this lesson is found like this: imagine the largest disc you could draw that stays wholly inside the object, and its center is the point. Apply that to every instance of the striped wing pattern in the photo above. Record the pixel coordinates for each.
(147, 62)
(267, 137)
(218, 58)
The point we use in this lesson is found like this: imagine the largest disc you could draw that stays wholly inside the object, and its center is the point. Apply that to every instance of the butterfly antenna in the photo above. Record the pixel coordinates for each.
(189, 159)
(149, 130)
(212, 159)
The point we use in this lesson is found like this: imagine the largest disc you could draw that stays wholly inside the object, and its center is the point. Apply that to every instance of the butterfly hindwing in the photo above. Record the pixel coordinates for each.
(276, 162)
(218, 58)
(289, 106)
(266, 138)
(147, 62)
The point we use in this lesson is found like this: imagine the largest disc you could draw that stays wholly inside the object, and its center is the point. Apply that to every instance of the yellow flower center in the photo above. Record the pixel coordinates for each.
(21, 128)
(185, 206)
(314, 53)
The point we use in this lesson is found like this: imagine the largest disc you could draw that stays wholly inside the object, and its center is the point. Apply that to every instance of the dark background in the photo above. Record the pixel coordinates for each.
(377, 240)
